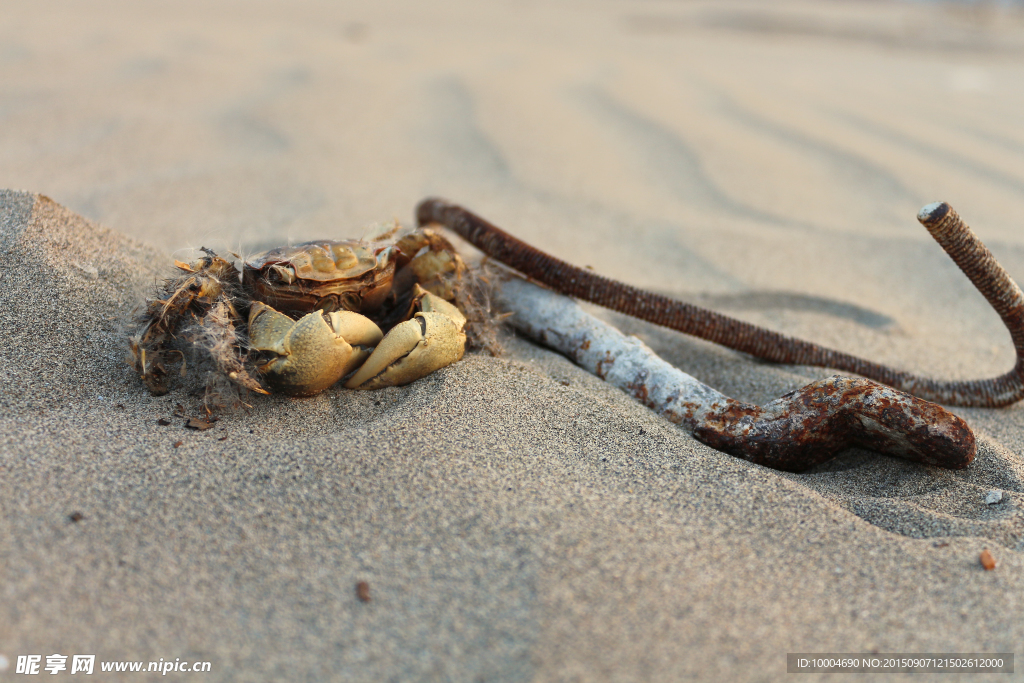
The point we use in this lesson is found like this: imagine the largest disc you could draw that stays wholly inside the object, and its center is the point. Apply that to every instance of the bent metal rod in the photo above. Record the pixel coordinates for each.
(803, 427)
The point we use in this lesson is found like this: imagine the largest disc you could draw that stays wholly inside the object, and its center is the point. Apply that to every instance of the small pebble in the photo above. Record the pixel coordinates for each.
(987, 560)
(993, 497)
(363, 591)
(198, 424)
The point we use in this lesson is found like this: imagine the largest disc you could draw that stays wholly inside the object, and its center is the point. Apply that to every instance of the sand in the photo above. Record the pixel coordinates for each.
(514, 517)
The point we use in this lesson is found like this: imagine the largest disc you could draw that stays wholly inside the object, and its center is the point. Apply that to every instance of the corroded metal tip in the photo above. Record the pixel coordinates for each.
(933, 213)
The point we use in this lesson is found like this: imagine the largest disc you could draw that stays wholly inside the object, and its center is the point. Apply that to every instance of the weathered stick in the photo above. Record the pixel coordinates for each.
(801, 429)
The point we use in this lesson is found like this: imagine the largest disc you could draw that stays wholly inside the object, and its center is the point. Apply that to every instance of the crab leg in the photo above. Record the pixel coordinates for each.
(310, 354)
(803, 428)
(941, 221)
(431, 340)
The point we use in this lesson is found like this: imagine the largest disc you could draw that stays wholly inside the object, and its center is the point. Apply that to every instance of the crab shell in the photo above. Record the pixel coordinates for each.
(354, 275)
(322, 275)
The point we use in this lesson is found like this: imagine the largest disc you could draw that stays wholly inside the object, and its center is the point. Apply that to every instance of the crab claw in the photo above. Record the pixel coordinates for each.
(308, 355)
(431, 340)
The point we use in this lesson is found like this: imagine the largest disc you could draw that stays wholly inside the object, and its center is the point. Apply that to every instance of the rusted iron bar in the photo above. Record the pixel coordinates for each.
(947, 228)
(1001, 292)
(802, 429)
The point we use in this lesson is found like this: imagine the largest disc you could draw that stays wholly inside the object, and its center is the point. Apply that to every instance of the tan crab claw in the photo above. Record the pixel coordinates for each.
(431, 340)
(309, 355)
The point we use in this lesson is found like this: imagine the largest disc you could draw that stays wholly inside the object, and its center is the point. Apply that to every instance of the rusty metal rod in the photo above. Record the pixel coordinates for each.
(802, 429)
(942, 222)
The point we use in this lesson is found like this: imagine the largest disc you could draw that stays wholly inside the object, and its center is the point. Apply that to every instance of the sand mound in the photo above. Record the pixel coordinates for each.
(68, 285)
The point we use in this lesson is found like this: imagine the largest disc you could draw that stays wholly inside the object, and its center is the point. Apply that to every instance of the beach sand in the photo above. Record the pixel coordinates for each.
(514, 517)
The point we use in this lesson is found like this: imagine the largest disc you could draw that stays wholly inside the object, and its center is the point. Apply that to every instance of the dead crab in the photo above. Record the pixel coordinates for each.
(302, 318)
